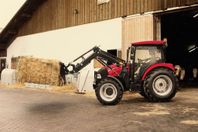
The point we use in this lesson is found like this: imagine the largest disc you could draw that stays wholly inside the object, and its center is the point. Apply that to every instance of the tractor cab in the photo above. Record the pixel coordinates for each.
(145, 54)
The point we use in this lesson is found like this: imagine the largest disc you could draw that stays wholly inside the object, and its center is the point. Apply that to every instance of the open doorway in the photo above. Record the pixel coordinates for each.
(181, 30)
(2, 64)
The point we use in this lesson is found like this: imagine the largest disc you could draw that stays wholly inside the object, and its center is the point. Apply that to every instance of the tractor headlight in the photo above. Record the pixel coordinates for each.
(98, 76)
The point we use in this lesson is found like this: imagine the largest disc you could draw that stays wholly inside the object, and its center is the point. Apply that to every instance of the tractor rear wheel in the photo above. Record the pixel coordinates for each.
(108, 92)
(160, 85)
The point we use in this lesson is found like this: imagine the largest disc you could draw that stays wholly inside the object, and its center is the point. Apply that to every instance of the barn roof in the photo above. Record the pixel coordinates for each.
(25, 13)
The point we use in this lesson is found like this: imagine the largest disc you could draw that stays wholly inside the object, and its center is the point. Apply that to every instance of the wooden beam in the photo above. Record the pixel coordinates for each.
(26, 15)
(3, 46)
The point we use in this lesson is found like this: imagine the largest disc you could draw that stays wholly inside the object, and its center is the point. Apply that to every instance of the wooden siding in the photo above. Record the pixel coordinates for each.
(138, 28)
(55, 14)
(3, 53)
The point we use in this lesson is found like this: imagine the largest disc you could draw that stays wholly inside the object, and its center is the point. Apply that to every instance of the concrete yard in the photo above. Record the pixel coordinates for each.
(24, 110)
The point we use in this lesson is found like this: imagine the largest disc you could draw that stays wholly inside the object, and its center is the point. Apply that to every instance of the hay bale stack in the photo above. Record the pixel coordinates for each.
(35, 70)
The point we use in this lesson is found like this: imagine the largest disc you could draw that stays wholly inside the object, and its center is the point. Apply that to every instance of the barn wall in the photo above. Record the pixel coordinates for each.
(3, 53)
(136, 28)
(67, 44)
(55, 14)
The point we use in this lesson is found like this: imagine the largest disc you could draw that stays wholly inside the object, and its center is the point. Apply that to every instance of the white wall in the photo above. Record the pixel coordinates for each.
(69, 43)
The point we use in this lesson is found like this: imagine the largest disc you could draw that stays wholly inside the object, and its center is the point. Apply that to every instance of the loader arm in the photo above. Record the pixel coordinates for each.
(94, 53)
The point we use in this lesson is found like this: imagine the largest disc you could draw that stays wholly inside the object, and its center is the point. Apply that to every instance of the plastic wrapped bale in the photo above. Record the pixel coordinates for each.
(182, 75)
(8, 76)
(177, 70)
(195, 72)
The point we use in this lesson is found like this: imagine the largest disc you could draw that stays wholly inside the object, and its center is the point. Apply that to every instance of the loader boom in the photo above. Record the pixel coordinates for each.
(94, 53)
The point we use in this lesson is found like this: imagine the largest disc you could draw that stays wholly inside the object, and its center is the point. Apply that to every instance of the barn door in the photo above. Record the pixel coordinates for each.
(136, 28)
(157, 27)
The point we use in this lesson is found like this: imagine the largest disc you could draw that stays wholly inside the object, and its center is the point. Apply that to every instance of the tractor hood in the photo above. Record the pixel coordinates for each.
(113, 70)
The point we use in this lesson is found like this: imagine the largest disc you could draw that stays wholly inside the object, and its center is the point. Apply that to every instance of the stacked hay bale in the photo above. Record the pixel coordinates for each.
(35, 70)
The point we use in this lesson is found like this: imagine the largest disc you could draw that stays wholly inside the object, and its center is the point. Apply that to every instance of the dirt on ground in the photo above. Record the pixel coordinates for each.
(26, 110)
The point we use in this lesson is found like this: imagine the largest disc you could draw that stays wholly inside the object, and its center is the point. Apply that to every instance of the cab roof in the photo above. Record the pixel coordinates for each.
(147, 43)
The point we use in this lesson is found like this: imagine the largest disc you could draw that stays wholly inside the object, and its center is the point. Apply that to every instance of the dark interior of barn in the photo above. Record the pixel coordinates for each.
(181, 30)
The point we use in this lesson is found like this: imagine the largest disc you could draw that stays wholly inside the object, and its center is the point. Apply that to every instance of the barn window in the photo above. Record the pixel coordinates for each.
(99, 2)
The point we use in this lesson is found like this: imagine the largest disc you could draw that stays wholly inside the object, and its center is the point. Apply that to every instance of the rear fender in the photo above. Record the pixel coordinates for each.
(159, 65)
(118, 81)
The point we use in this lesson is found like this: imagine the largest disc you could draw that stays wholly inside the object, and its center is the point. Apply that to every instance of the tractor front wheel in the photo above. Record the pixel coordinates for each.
(108, 92)
(160, 85)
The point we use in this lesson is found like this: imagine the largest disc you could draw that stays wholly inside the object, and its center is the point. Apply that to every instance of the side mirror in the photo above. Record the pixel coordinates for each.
(165, 42)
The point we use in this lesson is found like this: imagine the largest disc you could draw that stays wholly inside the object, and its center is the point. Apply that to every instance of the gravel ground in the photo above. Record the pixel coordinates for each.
(24, 110)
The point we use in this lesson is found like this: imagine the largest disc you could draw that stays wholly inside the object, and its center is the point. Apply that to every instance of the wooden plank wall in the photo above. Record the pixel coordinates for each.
(138, 28)
(3, 52)
(55, 14)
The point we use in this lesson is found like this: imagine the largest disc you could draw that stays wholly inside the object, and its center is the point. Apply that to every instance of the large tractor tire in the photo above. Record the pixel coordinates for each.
(108, 92)
(160, 85)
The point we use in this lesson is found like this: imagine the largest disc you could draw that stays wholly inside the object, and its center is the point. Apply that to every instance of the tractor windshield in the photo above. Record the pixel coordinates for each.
(146, 56)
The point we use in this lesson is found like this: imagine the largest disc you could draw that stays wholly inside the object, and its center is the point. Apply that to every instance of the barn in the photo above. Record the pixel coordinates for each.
(64, 29)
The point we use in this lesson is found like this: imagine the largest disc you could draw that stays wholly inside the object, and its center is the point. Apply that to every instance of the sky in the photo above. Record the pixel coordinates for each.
(8, 9)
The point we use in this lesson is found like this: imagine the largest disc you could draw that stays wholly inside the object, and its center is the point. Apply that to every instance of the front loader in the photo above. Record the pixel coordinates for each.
(144, 71)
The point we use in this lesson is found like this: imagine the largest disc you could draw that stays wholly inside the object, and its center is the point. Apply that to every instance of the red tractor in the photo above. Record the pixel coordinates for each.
(144, 71)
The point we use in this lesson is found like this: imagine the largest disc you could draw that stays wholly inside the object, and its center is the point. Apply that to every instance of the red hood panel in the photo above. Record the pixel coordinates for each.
(113, 70)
